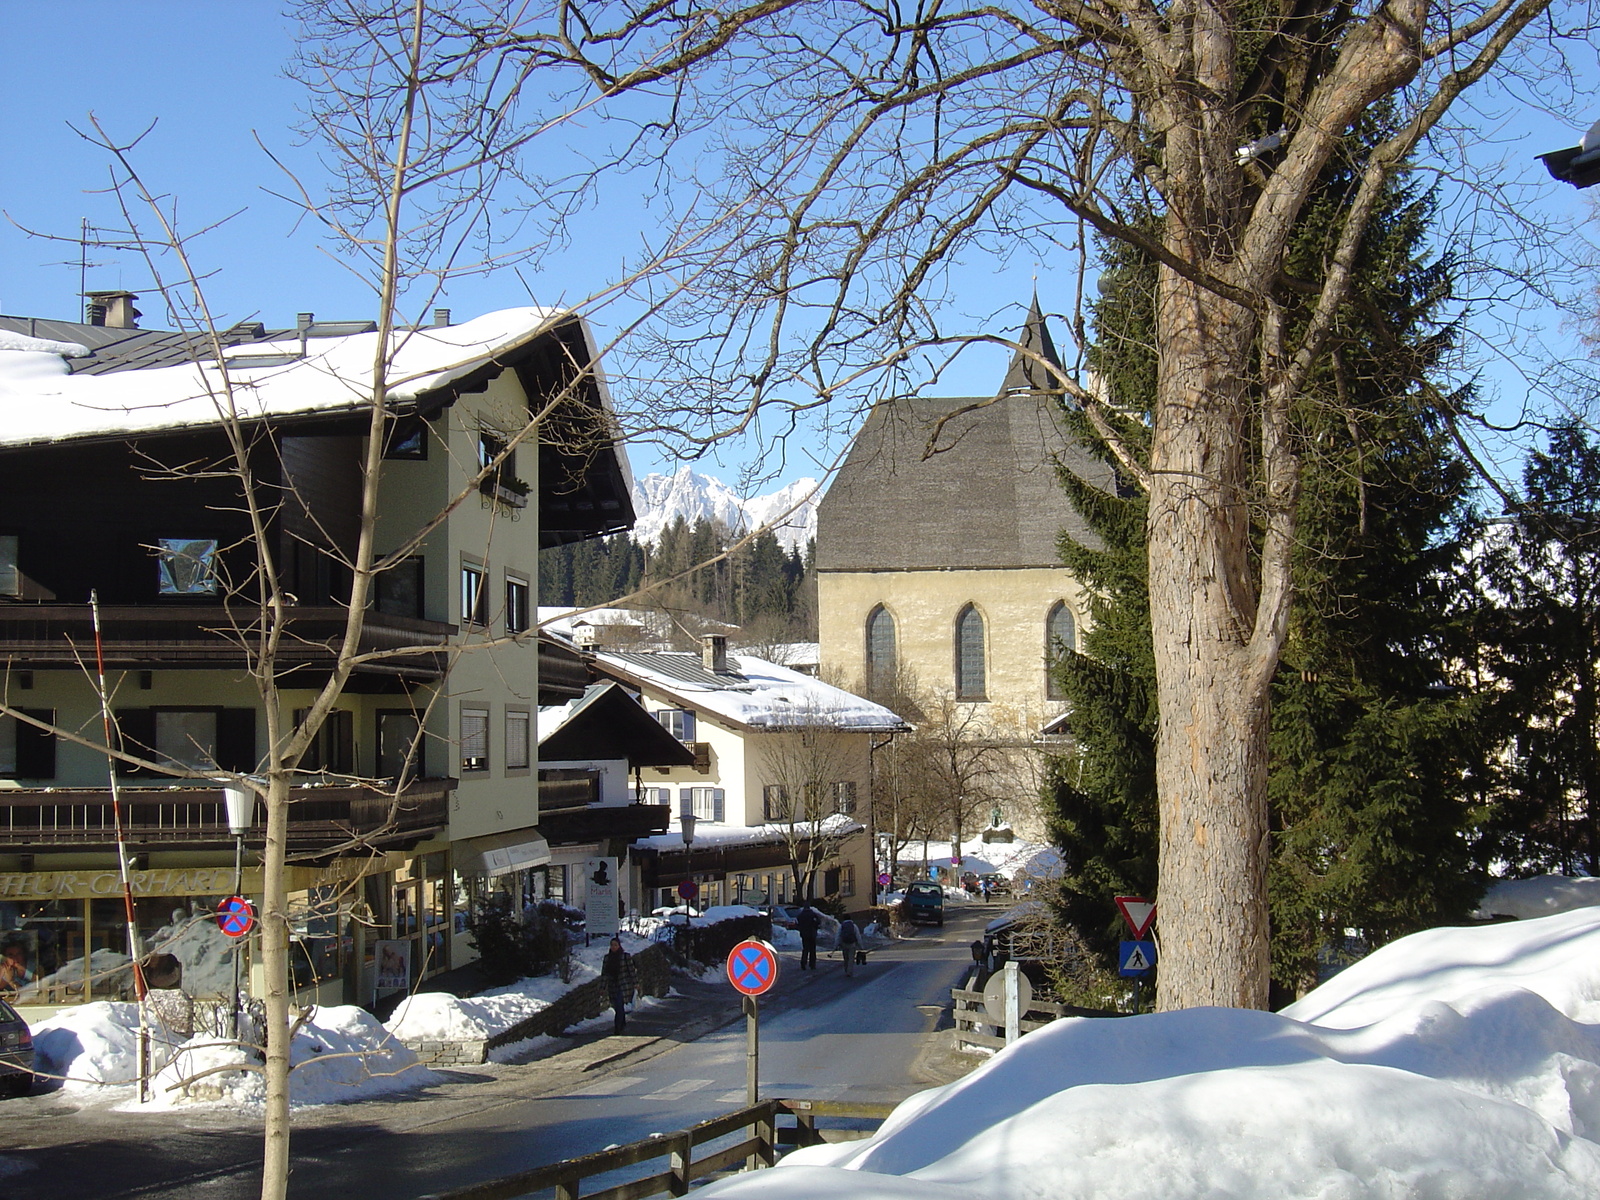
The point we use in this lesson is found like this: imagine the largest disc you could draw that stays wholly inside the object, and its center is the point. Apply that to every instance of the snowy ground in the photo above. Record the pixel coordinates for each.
(1453, 1063)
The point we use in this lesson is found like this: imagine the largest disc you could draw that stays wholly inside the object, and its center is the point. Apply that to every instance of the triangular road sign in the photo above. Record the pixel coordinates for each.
(1136, 960)
(1138, 912)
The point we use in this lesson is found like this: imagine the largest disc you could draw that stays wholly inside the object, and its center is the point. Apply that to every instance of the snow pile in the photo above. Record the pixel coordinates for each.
(338, 1055)
(1542, 896)
(1454, 1063)
(95, 1045)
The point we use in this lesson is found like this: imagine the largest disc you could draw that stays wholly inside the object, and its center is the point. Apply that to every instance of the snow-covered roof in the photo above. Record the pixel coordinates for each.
(706, 834)
(40, 401)
(752, 692)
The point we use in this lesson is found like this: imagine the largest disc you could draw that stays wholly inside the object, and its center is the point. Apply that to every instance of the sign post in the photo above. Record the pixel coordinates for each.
(752, 969)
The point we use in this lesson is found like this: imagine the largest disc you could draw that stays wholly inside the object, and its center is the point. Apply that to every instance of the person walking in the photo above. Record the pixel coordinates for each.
(622, 980)
(807, 921)
(849, 944)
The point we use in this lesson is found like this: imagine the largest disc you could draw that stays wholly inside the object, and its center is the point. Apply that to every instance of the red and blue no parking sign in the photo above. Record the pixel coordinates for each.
(235, 916)
(752, 967)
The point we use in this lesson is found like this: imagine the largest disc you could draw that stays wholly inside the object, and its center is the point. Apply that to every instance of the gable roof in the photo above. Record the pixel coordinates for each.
(987, 496)
(752, 693)
(607, 723)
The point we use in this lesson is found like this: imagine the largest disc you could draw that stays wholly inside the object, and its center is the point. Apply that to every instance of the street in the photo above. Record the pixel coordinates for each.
(881, 1035)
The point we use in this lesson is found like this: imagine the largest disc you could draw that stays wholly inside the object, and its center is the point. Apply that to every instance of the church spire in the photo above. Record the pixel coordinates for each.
(1027, 374)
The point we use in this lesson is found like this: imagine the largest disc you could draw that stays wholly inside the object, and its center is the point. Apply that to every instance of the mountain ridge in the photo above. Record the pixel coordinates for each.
(660, 499)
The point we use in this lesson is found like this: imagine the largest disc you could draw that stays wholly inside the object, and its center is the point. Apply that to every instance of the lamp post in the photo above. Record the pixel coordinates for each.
(686, 829)
(241, 804)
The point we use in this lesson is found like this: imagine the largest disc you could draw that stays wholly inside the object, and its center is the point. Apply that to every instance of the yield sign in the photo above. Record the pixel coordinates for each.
(752, 967)
(1138, 912)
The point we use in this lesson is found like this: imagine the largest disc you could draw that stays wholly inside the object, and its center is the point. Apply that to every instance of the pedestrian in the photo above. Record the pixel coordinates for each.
(849, 944)
(622, 980)
(807, 921)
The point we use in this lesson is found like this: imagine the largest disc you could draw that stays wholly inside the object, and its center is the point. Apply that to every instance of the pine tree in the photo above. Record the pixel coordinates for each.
(1369, 752)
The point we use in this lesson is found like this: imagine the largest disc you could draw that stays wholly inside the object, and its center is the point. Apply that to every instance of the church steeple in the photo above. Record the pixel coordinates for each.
(1027, 374)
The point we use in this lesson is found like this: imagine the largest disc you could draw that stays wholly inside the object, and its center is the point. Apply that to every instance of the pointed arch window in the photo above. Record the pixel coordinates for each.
(1060, 634)
(971, 669)
(880, 645)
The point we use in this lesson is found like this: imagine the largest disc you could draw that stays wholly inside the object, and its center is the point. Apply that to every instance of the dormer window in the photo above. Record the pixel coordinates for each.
(679, 722)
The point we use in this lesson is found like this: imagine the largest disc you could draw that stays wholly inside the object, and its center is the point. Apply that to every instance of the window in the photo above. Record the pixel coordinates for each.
(474, 600)
(880, 646)
(501, 482)
(398, 591)
(517, 724)
(333, 749)
(774, 802)
(10, 572)
(26, 751)
(186, 738)
(407, 439)
(970, 681)
(847, 879)
(655, 795)
(844, 796)
(705, 803)
(517, 610)
(474, 739)
(186, 566)
(196, 739)
(399, 745)
(679, 722)
(1060, 633)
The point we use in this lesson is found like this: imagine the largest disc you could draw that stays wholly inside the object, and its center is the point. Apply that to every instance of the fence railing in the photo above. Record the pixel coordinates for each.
(759, 1148)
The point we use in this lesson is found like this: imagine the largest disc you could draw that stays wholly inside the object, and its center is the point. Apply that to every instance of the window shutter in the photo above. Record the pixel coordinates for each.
(36, 749)
(236, 740)
(686, 802)
(136, 729)
(719, 798)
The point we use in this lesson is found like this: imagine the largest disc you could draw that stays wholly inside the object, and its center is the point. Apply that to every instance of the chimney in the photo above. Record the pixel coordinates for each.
(114, 310)
(304, 321)
(441, 317)
(714, 653)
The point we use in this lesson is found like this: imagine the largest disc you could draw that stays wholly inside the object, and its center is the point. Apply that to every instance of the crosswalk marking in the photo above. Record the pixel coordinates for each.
(610, 1087)
(682, 1087)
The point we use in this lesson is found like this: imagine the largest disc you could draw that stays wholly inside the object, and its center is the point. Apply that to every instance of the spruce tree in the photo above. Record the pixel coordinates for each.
(1368, 750)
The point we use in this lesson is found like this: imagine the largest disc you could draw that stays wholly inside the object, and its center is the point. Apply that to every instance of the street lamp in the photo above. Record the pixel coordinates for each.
(686, 823)
(241, 804)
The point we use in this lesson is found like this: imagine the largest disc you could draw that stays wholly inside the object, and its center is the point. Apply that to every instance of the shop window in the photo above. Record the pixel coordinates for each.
(186, 566)
(517, 605)
(26, 751)
(41, 951)
(474, 739)
(398, 592)
(474, 600)
(705, 803)
(517, 726)
(679, 722)
(399, 740)
(971, 669)
(10, 571)
(1061, 635)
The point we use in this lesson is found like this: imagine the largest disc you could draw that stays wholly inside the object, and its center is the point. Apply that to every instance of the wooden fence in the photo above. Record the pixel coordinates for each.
(766, 1134)
(972, 1019)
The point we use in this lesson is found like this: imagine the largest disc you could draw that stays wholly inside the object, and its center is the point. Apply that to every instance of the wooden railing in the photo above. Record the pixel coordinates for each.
(758, 1149)
(196, 818)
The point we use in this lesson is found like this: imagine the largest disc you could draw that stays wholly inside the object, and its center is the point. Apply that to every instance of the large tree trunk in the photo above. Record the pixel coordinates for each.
(1211, 753)
(275, 965)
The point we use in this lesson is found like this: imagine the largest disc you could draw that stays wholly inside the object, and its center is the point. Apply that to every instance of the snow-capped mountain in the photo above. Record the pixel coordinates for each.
(659, 499)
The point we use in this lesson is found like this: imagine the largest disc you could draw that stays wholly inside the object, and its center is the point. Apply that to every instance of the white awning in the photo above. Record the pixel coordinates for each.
(502, 853)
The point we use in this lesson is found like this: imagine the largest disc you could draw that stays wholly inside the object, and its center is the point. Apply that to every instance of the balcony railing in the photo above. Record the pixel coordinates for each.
(320, 818)
(184, 635)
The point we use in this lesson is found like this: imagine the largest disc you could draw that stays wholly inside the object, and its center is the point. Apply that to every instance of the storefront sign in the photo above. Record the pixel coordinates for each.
(88, 884)
(600, 898)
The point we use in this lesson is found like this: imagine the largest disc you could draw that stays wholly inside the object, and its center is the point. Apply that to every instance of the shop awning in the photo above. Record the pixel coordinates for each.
(502, 853)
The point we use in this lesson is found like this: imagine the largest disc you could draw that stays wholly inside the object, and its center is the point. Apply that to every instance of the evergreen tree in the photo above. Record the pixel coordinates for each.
(1369, 753)
(1544, 568)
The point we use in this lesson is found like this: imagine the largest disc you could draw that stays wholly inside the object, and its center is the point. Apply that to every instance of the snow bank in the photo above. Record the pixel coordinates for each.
(93, 1045)
(1454, 1063)
(1542, 896)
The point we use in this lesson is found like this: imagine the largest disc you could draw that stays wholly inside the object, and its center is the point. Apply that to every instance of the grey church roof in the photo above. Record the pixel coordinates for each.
(987, 497)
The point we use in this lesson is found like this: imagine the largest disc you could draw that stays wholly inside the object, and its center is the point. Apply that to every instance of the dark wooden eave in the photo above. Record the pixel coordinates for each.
(612, 725)
(597, 822)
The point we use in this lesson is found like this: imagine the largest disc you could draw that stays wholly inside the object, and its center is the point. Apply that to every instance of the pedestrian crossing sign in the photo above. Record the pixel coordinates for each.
(1136, 958)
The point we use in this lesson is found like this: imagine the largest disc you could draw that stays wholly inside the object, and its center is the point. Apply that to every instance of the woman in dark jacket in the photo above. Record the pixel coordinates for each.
(621, 980)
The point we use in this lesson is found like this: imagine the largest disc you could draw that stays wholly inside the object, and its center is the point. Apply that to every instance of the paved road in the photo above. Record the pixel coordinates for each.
(873, 1037)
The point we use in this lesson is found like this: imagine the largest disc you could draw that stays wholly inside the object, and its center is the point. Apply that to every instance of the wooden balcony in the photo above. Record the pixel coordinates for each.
(572, 826)
(159, 636)
(321, 819)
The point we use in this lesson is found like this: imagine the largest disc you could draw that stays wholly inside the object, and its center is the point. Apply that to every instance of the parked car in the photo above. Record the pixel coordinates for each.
(787, 916)
(994, 884)
(924, 902)
(16, 1053)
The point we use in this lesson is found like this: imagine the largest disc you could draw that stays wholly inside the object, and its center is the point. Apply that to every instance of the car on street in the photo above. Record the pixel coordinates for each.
(924, 903)
(788, 915)
(994, 884)
(16, 1053)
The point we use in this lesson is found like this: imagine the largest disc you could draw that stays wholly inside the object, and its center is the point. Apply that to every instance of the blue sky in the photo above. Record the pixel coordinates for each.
(209, 74)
